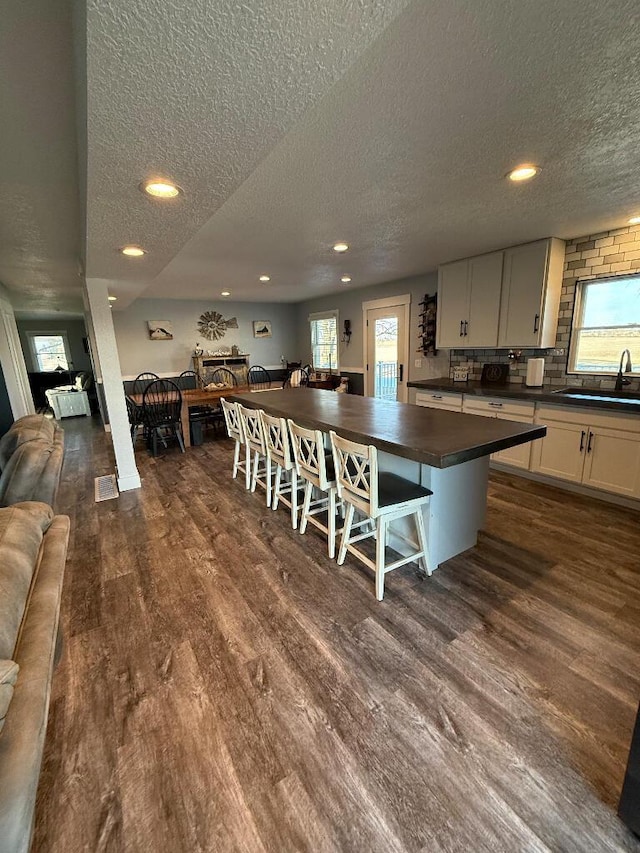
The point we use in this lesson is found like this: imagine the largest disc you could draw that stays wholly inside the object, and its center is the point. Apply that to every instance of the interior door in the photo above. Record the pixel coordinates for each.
(387, 353)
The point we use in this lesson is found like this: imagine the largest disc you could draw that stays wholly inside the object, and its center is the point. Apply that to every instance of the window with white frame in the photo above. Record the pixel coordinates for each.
(50, 350)
(606, 321)
(324, 340)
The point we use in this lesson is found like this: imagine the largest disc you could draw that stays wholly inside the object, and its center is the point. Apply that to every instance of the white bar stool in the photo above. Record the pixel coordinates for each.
(257, 470)
(236, 433)
(278, 446)
(380, 497)
(316, 468)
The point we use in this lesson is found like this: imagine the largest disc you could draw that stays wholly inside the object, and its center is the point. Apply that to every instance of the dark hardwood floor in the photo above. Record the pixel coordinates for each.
(225, 687)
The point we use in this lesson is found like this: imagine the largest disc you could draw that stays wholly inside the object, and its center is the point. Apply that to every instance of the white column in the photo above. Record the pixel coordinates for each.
(12, 361)
(107, 354)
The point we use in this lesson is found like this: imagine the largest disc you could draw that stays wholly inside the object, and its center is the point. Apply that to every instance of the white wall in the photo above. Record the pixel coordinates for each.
(349, 304)
(138, 353)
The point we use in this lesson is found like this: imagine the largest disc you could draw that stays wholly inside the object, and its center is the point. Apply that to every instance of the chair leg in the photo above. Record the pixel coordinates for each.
(268, 476)
(381, 544)
(254, 471)
(294, 499)
(346, 532)
(331, 524)
(236, 459)
(422, 541)
(178, 432)
(154, 442)
(276, 487)
(305, 506)
(247, 467)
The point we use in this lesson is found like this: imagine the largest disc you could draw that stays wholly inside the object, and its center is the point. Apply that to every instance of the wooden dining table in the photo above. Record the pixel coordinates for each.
(196, 397)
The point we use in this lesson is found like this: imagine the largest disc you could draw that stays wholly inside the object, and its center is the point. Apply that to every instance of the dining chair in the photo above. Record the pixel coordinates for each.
(161, 405)
(142, 380)
(136, 418)
(258, 463)
(381, 497)
(258, 378)
(223, 376)
(188, 381)
(296, 378)
(315, 466)
(278, 445)
(235, 432)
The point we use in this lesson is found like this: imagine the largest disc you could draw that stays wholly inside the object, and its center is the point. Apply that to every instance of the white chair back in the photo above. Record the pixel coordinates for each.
(252, 428)
(308, 455)
(276, 436)
(232, 420)
(356, 468)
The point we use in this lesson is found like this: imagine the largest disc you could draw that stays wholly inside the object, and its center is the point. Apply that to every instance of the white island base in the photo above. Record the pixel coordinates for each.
(455, 512)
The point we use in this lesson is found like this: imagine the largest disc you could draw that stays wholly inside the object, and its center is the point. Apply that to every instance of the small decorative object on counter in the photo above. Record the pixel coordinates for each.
(460, 374)
(427, 325)
(198, 349)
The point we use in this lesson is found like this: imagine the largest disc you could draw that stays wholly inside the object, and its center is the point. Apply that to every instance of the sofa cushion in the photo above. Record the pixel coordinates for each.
(21, 529)
(28, 428)
(8, 675)
(32, 473)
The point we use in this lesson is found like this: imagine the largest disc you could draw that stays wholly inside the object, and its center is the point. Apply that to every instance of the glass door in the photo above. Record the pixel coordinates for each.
(386, 376)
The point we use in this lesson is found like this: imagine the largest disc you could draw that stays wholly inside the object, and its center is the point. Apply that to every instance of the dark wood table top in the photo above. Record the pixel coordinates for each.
(432, 436)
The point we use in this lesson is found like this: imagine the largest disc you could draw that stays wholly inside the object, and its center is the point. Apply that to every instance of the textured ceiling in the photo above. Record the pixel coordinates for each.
(291, 124)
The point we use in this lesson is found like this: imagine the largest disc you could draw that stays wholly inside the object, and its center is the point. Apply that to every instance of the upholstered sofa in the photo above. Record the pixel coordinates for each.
(31, 455)
(33, 548)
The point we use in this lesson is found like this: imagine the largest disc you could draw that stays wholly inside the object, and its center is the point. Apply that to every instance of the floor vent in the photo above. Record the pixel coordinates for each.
(106, 487)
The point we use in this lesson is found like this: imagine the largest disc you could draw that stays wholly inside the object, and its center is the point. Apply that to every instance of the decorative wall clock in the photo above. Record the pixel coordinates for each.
(213, 326)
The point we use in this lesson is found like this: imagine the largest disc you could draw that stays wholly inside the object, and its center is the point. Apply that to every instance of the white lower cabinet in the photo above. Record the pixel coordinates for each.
(440, 400)
(508, 410)
(595, 449)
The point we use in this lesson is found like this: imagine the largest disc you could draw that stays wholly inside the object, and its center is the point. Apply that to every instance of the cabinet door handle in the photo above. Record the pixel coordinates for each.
(466, 326)
(536, 322)
(582, 438)
(436, 396)
(400, 372)
(589, 442)
(461, 328)
(496, 405)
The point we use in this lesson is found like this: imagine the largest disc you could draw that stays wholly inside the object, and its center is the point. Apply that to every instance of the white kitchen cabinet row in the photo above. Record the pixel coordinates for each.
(584, 446)
(508, 298)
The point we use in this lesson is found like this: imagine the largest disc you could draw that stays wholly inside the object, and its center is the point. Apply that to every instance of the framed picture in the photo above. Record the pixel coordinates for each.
(160, 330)
(262, 328)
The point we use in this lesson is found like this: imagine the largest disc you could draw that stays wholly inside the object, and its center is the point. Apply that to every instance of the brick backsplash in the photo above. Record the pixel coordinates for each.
(594, 256)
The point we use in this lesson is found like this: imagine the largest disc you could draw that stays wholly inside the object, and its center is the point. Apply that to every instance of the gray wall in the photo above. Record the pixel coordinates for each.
(138, 353)
(349, 305)
(75, 330)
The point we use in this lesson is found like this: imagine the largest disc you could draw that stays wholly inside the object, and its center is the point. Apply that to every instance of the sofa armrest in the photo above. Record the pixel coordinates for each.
(22, 739)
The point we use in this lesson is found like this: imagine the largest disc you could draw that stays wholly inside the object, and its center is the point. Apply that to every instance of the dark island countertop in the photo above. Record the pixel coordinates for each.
(431, 436)
(515, 391)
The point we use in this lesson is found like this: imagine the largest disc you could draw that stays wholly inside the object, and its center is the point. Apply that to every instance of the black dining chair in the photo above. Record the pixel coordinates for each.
(258, 378)
(161, 404)
(296, 378)
(202, 415)
(136, 419)
(142, 380)
(223, 376)
(188, 381)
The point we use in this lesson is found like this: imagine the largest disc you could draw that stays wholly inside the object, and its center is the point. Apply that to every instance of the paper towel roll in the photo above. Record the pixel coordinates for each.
(535, 372)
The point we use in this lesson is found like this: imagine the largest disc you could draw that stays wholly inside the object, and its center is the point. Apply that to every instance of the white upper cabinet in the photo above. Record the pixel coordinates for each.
(531, 286)
(469, 302)
(503, 299)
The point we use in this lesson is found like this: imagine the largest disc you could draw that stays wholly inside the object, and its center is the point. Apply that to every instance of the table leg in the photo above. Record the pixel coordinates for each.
(184, 417)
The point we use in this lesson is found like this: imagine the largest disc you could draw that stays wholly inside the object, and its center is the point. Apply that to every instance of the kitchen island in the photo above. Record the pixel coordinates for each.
(448, 452)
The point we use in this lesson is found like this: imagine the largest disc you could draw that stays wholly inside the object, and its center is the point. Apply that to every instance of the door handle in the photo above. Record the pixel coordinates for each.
(400, 372)
(461, 328)
(582, 437)
(589, 442)
(536, 322)
(466, 327)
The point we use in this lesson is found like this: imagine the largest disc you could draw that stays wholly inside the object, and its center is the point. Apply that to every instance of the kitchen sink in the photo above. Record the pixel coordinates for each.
(600, 395)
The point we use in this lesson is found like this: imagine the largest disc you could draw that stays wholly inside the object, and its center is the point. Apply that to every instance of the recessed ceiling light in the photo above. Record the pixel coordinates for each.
(340, 247)
(133, 251)
(225, 293)
(523, 173)
(112, 298)
(160, 189)
(345, 279)
(265, 278)
(635, 220)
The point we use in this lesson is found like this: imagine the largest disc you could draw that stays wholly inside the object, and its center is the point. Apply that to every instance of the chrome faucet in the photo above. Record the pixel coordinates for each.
(620, 381)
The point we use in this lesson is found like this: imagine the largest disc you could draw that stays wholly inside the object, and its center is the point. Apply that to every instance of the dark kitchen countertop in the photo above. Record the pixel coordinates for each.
(431, 436)
(521, 392)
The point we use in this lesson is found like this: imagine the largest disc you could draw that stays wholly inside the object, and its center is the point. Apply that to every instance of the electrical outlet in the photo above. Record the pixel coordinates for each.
(417, 362)
(559, 351)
